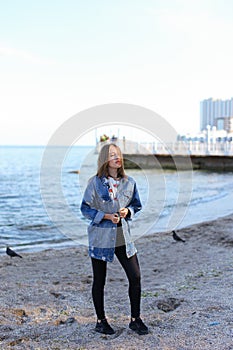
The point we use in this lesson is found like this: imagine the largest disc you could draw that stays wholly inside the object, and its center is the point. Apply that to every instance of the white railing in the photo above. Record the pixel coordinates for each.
(195, 148)
(176, 148)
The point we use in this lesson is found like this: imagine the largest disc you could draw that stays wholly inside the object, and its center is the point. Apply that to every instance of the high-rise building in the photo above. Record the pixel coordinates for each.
(216, 113)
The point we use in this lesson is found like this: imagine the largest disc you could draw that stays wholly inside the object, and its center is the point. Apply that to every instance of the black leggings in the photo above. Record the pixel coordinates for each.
(132, 270)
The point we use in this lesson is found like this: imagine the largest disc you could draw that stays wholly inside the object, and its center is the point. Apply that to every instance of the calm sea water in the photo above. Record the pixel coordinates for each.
(35, 215)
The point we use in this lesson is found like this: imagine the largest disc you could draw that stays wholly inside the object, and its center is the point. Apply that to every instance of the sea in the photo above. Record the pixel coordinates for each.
(41, 189)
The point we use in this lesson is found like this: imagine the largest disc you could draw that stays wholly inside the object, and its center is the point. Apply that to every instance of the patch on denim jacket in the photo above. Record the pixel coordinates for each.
(102, 188)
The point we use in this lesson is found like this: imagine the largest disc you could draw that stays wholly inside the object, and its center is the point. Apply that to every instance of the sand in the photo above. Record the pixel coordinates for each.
(45, 298)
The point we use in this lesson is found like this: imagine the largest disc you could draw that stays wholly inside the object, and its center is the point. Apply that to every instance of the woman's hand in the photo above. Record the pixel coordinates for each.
(113, 217)
(123, 212)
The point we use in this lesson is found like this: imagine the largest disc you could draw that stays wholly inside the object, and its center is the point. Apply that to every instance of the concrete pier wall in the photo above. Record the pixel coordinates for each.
(182, 162)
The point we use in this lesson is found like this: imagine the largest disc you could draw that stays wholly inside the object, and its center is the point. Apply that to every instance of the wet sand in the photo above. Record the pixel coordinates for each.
(45, 298)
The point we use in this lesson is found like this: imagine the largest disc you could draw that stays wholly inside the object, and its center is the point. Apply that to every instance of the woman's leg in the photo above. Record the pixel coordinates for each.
(132, 269)
(99, 268)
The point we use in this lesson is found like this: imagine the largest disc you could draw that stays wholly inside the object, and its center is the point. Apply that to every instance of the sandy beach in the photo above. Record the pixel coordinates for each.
(187, 303)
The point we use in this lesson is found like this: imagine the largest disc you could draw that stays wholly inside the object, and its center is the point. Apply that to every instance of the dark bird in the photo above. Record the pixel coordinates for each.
(11, 253)
(176, 237)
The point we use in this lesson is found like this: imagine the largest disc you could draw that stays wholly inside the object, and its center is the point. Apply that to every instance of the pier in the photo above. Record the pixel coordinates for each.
(214, 156)
(166, 161)
(203, 156)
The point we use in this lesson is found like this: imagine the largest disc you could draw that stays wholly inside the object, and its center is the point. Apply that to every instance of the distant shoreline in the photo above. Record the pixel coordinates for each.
(69, 243)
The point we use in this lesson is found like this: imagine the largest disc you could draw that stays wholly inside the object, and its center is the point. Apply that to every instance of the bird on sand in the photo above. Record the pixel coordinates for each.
(11, 253)
(176, 237)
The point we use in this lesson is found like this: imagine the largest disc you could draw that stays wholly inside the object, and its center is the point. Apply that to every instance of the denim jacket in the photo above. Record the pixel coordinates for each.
(96, 203)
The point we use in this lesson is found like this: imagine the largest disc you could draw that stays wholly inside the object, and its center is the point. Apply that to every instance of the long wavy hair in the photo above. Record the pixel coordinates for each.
(103, 160)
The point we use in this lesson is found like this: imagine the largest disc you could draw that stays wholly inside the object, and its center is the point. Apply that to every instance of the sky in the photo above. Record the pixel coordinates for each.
(60, 57)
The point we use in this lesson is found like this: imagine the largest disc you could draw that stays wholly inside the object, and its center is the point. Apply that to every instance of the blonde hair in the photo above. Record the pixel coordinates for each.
(103, 160)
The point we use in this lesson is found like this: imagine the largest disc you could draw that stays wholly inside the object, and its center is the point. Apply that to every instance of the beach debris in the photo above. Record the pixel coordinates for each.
(56, 282)
(215, 323)
(86, 279)
(74, 172)
(57, 294)
(176, 237)
(12, 253)
(68, 321)
(20, 312)
(18, 341)
(168, 304)
(21, 315)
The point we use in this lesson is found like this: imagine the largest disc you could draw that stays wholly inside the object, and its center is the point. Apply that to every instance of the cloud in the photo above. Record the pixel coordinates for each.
(24, 55)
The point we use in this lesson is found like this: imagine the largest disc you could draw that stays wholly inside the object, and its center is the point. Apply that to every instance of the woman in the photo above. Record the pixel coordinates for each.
(110, 200)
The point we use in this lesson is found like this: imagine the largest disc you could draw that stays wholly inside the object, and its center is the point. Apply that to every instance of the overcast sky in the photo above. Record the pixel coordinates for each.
(61, 57)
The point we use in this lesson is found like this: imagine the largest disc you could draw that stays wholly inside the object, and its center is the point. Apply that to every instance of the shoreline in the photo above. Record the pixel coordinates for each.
(31, 249)
(186, 295)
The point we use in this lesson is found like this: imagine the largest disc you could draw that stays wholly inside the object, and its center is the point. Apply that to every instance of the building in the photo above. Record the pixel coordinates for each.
(218, 113)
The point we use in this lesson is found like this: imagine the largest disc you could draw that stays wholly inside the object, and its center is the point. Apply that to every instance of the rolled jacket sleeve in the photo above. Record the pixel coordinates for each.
(135, 204)
(99, 217)
(87, 207)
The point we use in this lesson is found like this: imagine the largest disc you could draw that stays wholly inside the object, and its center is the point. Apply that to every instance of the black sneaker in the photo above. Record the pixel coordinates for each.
(103, 327)
(138, 326)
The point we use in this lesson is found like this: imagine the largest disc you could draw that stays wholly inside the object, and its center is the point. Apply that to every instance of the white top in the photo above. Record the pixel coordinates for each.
(113, 185)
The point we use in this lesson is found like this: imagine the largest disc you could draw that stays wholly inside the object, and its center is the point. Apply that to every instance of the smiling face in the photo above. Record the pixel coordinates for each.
(114, 158)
